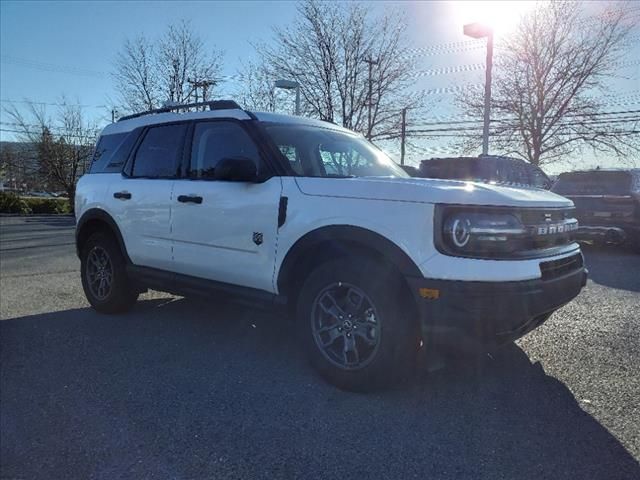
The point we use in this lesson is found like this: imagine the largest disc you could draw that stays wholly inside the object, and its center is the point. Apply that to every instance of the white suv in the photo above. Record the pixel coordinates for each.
(292, 211)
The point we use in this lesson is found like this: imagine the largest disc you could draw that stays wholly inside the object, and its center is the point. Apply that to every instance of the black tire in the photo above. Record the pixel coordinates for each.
(388, 324)
(120, 295)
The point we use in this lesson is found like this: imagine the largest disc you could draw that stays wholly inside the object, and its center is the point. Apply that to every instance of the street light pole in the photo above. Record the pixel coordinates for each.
(487, 95)
(290, 85)
(371, 62)
(478, 30)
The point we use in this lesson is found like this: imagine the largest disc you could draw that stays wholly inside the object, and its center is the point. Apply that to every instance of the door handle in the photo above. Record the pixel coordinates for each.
(190, 199)
(122, 195)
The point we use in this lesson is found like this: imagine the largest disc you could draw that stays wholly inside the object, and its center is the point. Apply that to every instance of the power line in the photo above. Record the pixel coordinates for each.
(52, 104)
(448, 70)
(440, 121)
(26, 126)
(50, 67)
(27, 132)
(566, 124)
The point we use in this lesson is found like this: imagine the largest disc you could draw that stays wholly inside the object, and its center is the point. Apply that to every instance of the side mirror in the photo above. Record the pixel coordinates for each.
(236, 169)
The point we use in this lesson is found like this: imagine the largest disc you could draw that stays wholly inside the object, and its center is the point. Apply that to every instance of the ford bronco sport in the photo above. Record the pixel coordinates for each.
(289, 210)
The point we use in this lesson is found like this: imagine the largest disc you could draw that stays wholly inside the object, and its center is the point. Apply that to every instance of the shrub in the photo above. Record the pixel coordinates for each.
(12, 203)
(48, 205)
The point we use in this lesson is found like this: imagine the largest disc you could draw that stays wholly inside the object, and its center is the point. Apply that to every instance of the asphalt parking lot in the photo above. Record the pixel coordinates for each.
(182, 388)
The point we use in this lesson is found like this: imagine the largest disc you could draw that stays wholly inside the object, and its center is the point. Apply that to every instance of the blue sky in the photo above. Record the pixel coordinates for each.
(51, 49)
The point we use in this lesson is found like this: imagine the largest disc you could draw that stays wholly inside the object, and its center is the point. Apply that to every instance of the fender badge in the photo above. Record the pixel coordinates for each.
(257, 238)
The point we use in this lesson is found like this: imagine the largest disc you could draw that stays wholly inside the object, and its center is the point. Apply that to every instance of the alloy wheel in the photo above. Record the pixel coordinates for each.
(345, 325)
(99, 273)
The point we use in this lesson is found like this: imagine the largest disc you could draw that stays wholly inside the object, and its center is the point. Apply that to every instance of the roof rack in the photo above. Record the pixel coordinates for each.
(213, 105)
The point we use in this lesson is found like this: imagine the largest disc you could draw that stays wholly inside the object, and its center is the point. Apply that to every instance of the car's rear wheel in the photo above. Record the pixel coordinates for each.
(104, 277)
(355, 324)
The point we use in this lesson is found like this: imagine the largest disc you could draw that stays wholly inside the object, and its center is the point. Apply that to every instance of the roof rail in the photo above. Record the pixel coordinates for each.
(213, 105)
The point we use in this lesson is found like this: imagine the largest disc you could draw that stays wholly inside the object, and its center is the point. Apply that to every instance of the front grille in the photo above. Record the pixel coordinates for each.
(558, 268)
(540, 216)
(548, 228)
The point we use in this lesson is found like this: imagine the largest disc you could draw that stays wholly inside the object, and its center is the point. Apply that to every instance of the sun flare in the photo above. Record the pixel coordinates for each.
(503, 16)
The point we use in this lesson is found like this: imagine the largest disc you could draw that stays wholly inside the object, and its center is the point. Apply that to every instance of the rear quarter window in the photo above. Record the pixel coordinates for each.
(112, 152)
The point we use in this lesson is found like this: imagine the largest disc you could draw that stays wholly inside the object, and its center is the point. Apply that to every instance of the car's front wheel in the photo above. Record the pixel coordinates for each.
(355, 324)
(104, 277)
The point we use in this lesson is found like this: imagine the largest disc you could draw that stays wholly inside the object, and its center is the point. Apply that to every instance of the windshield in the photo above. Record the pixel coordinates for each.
(323, 152)
(593, 183)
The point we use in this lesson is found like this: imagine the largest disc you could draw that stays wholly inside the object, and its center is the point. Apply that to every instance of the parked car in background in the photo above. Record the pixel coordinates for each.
(487, 169)
(607, 204)
(39, 194)
(411, 170)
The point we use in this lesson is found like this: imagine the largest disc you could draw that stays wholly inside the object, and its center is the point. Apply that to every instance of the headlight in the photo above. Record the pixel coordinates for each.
(470, 232)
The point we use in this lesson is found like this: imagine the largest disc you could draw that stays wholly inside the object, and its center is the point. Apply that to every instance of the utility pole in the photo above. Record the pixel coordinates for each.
(403, 134)
(371, 62)
(203, 84)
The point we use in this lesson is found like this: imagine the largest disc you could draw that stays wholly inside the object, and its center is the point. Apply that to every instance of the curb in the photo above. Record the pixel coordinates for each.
(31, 215)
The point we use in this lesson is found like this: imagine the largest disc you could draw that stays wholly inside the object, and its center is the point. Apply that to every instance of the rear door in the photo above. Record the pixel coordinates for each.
(141, 198)
(222, 230)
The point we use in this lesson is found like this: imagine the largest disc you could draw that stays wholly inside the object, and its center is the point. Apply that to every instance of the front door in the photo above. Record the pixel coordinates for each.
(222, 230)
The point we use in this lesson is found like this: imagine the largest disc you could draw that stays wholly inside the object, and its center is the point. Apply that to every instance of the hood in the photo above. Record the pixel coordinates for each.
(428, 190)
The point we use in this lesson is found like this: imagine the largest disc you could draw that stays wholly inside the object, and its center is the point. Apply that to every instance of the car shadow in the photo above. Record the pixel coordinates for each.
(189, 389)
(611, 266)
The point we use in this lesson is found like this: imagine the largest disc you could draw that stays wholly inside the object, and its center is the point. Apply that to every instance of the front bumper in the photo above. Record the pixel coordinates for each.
(478, 315)
(613, 234)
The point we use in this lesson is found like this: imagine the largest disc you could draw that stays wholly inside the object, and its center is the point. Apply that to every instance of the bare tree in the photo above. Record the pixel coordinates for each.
(257, 90)
(550, 83)
(353, 69)
(63, 147)
(135, 75)
(176, 68)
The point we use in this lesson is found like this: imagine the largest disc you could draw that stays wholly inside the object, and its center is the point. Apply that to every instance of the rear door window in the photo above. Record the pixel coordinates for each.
(158, 156)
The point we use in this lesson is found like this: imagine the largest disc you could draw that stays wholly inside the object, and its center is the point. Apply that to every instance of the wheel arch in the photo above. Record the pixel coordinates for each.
(96, 219)
(330, 242)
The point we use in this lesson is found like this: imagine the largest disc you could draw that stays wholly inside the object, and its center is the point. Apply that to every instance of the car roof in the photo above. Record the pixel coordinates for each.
(270, 117)
(126, 125)
(473, 159)
(635, 171)
(129, 124)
